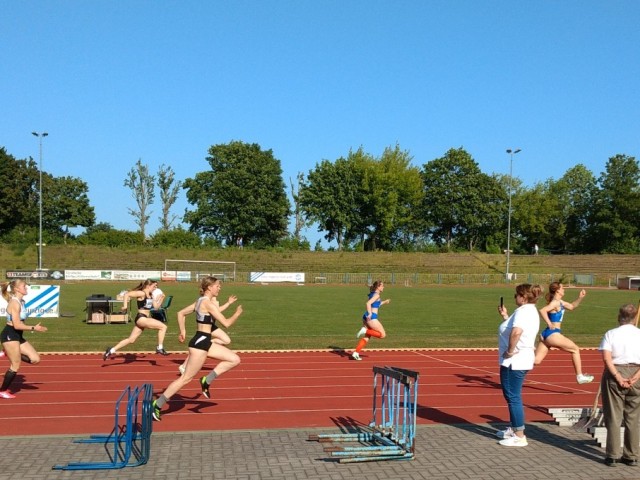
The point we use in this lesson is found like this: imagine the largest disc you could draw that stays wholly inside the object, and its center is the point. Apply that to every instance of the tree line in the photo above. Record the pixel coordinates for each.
(359, 202)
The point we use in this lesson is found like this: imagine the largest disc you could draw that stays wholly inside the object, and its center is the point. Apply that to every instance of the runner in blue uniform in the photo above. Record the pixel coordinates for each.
(551, 337)
(372, 327)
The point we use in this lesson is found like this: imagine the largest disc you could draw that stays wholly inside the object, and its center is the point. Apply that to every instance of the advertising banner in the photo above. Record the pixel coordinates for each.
(42, 301)
(265, 277)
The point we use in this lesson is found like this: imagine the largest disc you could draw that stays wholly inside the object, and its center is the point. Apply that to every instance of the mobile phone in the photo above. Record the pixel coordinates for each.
(501, 302)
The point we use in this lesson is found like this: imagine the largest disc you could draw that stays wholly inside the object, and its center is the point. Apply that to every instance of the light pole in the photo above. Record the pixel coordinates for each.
(40, 137)
(511, 154)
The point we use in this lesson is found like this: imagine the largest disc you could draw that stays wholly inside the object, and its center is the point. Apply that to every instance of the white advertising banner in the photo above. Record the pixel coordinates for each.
(132, 275)
(295, 277)
(42, 301)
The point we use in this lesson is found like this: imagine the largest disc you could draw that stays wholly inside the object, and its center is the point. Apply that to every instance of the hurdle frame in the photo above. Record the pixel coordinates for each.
(391, 432)
(133, 437)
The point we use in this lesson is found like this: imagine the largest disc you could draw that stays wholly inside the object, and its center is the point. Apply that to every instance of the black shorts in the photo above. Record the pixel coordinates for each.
(201, 341)
(10, 334)
(138, 317)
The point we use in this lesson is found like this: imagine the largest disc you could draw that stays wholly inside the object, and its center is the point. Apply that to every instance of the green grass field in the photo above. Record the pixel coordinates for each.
(319, 317)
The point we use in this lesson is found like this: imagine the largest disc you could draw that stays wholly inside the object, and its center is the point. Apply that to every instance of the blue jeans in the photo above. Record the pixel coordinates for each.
(511, 382)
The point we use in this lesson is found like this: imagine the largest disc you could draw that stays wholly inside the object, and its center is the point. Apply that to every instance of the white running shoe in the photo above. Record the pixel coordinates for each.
(507, 433)
(584, 378)
(355, 356)
(181, 369)
(1, 353)
(6, 395)
(514, 441)
(361, 332)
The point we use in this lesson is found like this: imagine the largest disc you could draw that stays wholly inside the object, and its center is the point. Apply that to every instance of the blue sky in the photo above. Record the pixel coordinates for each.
(161, 81)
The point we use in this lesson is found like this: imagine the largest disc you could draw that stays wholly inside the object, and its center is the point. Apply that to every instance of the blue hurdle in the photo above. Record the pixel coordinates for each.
(391, 434)
(131, 437)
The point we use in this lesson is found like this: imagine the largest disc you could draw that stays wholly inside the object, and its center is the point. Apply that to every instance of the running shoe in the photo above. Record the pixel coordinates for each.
(6, 395)
(355, 356)
(1, 353)
(205, 387)
(507, 433)
(182, 369)
(155, 411)
(161, 351)
(584, 378)
(514, 441)
(361, 332)
(107, 354)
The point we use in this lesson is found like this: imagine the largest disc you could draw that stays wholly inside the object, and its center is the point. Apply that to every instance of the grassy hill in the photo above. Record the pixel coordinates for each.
(143, 258)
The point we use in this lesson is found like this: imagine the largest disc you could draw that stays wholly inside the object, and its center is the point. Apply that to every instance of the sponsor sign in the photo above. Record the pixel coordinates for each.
(41, 301)
(296, 277)
(35, 274)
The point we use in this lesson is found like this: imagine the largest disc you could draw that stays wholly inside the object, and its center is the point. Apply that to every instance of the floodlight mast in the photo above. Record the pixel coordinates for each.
(511, 154)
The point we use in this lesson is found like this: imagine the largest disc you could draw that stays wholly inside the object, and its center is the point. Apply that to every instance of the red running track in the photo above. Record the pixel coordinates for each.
(76, 393)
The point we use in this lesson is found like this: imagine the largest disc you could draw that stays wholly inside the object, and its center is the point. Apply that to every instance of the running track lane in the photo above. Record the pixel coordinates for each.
(76, 393)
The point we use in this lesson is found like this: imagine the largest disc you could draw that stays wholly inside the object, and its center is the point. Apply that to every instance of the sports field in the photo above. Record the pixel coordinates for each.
(291, 317)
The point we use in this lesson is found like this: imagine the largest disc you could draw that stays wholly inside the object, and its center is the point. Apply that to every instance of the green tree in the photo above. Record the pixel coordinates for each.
(576, 192)
(243, 196)
(392, 197)
(67, 205)
(169, 189)
(141, 183)
(332, 197)
(18, 193)
(462, 205)
(177, 237)
(616, 217)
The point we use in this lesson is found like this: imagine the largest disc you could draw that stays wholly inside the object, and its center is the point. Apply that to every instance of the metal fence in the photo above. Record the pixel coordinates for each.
(426, 279)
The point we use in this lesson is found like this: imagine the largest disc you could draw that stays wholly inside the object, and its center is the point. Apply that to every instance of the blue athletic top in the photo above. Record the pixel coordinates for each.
(376, 304)
(23, 310)
(146, 303)
(556, 317)
(205, 319)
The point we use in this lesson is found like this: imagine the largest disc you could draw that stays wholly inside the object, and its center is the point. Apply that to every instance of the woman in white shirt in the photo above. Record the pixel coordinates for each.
(516, 347)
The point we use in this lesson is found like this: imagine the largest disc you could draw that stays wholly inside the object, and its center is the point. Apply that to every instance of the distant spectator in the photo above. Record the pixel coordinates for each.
(535, 249)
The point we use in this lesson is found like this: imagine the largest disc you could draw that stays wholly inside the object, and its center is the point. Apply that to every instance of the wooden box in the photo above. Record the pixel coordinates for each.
(119, 318)
(97, 317)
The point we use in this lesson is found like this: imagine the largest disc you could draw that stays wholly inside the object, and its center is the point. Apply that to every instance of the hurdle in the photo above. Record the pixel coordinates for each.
(130, 437)
(391, 432)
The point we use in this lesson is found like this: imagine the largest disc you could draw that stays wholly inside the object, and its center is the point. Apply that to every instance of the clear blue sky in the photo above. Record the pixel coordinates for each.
(161, 81)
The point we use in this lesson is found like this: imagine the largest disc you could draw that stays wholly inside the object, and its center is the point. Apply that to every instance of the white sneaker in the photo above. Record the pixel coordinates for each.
(584, 378)
(514, 441)
(506, 433)
(355, 356)
(361, 332)
(1, 353)
(181, 369)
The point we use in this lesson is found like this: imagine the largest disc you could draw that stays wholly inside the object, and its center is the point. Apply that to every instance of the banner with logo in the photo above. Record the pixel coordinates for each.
(35, 274)
(296, 277)
(42, 301)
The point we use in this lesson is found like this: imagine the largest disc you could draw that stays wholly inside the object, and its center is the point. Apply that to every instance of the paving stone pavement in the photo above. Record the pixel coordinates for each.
(443, 452)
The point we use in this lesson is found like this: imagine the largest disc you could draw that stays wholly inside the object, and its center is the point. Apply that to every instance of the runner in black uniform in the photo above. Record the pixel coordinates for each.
(143, 293)
(16, 347)
(202, 345)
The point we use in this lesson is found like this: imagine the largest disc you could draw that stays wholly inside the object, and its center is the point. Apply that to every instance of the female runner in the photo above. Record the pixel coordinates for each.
(552, 337)
(202, 345)
(372, 326)
(16, 347)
